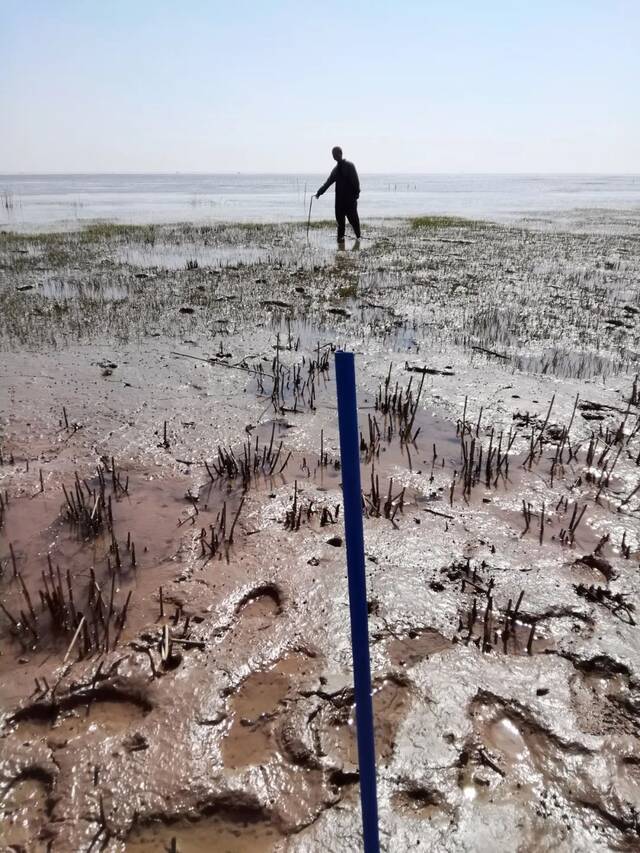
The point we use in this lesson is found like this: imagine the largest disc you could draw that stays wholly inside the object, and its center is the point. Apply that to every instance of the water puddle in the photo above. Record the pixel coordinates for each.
(231, 248)
(83, 290)
(177, 257)
(571, 364)
(504, 736)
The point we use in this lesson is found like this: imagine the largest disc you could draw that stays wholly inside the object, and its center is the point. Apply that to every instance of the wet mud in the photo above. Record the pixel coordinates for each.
(175, 664)
(231, 833)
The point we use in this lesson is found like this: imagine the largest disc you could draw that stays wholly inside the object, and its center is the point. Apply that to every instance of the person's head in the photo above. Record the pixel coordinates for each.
(337, 153)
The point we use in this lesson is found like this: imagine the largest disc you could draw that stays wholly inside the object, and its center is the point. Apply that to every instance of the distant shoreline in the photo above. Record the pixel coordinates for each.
(614, 220)
(65, 201)
(303, 174)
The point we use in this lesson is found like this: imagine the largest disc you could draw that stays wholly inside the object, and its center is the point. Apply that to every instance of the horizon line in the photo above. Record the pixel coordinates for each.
(302, 172)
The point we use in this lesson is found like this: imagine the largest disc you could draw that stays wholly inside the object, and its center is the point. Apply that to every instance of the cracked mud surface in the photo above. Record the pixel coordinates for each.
(174, 639)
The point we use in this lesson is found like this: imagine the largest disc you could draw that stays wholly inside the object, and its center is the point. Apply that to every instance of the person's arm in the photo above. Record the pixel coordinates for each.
(330, 180)
(355, 181)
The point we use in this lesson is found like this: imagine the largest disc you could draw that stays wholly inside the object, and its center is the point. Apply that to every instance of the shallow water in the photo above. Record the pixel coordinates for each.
(45, 201)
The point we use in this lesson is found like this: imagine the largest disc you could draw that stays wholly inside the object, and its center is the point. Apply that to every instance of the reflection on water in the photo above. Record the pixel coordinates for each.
(163, 256)
(197, 254)
(95, 291)
(572, 364)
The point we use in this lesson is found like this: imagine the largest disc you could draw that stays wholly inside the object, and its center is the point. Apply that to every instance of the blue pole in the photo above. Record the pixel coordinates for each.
(352, 499)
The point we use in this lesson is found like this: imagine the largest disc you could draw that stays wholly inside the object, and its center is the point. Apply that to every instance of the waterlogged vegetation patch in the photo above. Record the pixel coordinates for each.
(420, 222)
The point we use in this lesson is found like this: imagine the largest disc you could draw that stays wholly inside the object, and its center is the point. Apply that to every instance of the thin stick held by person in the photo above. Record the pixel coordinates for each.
(345, 177)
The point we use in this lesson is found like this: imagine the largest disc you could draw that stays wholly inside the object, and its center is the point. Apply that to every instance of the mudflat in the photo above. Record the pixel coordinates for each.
(175, 664)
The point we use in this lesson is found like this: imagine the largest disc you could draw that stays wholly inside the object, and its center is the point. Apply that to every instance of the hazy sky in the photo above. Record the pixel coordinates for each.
(271, 85)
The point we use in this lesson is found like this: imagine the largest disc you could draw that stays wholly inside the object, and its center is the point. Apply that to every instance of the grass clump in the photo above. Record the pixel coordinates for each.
(97, 231)
(260, 227)
(348, 291)
(322, 223)
(420, 222)
(36, 239)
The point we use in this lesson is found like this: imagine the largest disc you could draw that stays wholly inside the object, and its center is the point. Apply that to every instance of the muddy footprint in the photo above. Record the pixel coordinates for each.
(259, 607)
(256, 706)
(25, 806)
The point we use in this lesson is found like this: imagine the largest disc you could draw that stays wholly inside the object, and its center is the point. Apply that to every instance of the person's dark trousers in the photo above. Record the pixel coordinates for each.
(344, 211)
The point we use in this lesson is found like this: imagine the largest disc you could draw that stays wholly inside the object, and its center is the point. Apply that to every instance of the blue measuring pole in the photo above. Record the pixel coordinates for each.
(352, 499)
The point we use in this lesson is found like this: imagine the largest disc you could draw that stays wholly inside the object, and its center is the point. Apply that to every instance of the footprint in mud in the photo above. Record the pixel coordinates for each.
(498, 765)
(260, 606)
(234, 831)
(563, 622)
(628, 777)
(110, 718)
(515, 757)
(592, 568)
(105, 711)
(256, 705)
(604, 699)
(335, 724)
(415, 800)
(417, 645)
(510, 745)
(24, 810)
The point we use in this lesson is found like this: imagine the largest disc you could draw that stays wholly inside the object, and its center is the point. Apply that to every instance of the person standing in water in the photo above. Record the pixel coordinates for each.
(345, 177)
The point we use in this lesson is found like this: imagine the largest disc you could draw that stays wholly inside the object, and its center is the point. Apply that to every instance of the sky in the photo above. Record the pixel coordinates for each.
(427, 86)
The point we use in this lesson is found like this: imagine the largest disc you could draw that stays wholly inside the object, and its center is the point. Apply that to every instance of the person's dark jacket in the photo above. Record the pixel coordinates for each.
(345, 177)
